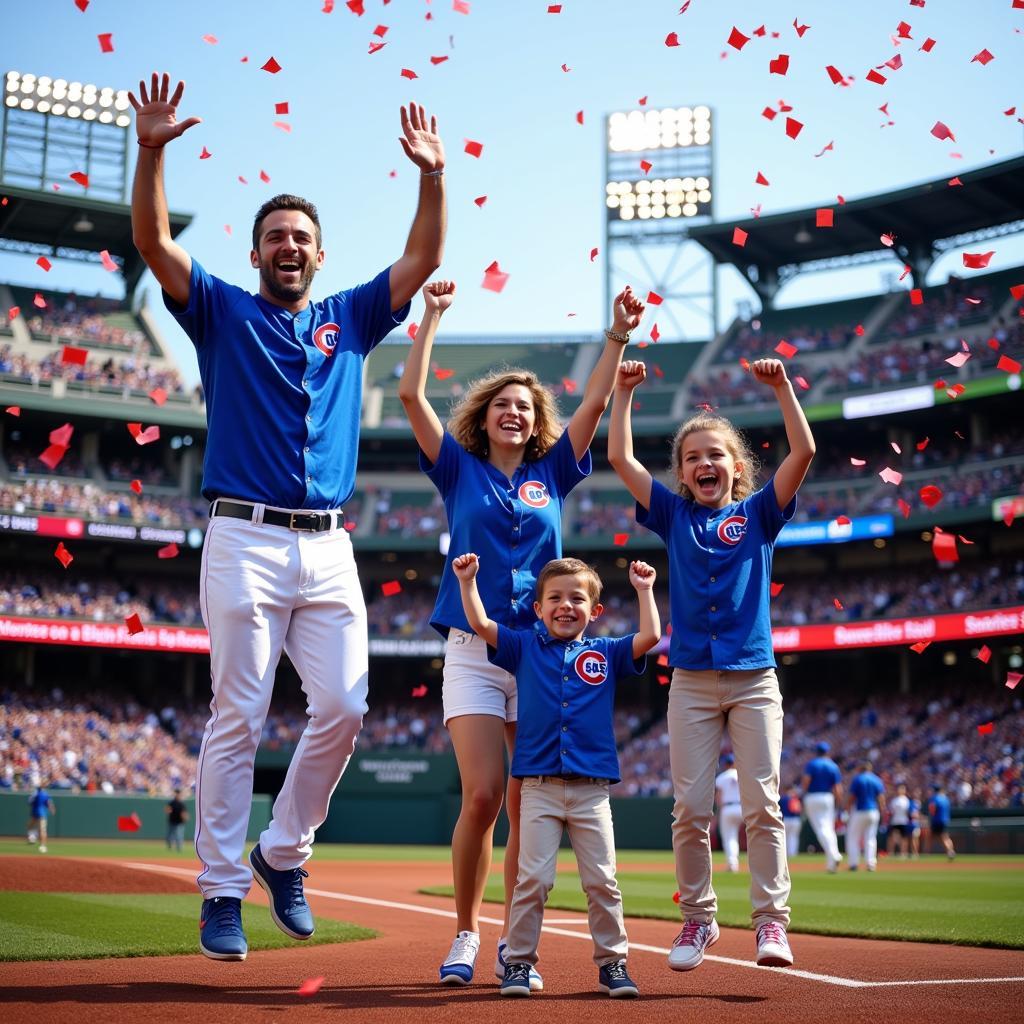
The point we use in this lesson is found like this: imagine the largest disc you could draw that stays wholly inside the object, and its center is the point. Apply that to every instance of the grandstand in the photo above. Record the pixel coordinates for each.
(855, 595)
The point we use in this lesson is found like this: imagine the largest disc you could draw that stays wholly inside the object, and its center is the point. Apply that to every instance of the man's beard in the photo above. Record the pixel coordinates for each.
(288, 292)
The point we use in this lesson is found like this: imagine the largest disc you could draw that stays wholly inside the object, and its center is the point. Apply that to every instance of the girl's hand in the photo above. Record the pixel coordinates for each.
(642, 575)
(631, 373)
(627, 311)
(466, 566)
(769, 371)
(438, 295)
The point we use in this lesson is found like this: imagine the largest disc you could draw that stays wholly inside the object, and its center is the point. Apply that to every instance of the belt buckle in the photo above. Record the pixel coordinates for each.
(292, 525)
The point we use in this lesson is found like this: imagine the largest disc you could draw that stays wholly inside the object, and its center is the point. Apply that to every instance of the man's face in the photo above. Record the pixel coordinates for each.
(288, 256)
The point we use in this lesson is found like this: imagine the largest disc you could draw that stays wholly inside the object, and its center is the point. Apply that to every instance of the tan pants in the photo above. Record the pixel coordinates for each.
(547, 807)
(749, 705)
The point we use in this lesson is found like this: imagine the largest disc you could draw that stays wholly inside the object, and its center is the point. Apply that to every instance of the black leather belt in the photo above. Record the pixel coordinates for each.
(308, 521)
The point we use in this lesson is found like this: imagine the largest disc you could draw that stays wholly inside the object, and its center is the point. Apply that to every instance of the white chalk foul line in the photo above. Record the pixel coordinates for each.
(827, 979)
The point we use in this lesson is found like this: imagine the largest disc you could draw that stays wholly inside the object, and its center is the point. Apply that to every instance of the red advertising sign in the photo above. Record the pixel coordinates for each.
(188, 639)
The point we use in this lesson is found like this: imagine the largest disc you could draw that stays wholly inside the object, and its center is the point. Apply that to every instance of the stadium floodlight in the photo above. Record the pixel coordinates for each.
(60, 98)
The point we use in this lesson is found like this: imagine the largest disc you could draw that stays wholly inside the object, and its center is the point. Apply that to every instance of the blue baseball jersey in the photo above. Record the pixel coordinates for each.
(939, 809)
(39, 804)
(515, 526)
(720, 568)
(866, 788)
(283, 390)
(566, 700)
(824, 774)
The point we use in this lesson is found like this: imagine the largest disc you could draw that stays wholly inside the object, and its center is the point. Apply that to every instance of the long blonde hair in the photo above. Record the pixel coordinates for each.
(465, 423)
(744, 484)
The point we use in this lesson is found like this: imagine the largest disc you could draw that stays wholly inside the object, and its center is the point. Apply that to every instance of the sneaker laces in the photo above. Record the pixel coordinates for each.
(464, 947)
(517, 973)
(224, 915)
(617, 971)
(296, 897)
(771, 931)
(691, 934)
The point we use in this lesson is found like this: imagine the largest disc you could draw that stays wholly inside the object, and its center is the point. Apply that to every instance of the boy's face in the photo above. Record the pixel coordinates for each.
(566, 607)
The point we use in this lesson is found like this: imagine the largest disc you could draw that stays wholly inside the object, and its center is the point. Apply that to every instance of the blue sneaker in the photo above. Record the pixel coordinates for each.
(288, 906)
(516, 981)
(536, 981)
(613, 979)
(220, 929)
(457, 968)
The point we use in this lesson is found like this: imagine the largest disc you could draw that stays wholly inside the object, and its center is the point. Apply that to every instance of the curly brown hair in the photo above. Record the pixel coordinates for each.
(466, 421)
(744, 484)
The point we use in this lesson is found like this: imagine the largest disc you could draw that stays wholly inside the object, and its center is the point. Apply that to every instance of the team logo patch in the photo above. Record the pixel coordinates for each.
(325, 337)
(591, 667)
(534, 494)
(731, 530)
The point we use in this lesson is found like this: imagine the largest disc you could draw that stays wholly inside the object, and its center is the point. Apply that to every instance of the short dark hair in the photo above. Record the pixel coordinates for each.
(285, 202)
(570, 567)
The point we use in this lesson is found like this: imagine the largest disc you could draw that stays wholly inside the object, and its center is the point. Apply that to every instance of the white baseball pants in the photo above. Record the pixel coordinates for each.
(793, 826)
(730, 817)
(862, 828)
(820, 809)
(263, 590)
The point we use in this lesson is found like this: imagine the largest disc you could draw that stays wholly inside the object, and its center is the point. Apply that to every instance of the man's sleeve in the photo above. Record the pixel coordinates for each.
(369, 306)
(209, 299)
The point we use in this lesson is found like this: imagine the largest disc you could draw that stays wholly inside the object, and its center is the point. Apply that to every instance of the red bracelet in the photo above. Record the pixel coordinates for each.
(146, 145)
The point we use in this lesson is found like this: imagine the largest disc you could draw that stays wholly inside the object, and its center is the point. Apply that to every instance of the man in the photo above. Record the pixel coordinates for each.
(283, 382)
(900, 827)
(866, 804)
(176, 818)
(730, 815)
(792, 818)
(40, 807)
(939, 814)
(822, 790)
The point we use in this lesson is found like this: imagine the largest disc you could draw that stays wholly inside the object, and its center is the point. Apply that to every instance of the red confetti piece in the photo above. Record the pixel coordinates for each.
(785, 349)
(443, 374)
(780, 65)
(770, 113)
(411, 331)
(44, 263)
(473, 148)
(675, 897)
(737, 40)
(843, 520)
(978, 260)
(146, 436)
(887, 239)
(355, 6)
(958, 359)
(271, 67)
(106, 40)
(134, 624)
(916, 297)
(776, 588)
(579, 117)
(390, 588)
(1008, 365)
(205, 155)
(986, 729)
(895, 63)
(81, 5)
(1012, 679)
(928, 45)
(944, 547)
(930, 495)
(645, 166)
(480, 200)
(891, 476)
(672, 39)
(13, 312)
(801, 383)
(834, 74)
(904, 508)
(63, 555)
(158, 396)
(941, 132)
(283, 125)
(554, 8)
(620, 539)
(569, 386)
(921, 646)
(984, 654)
(460, 6)
(838, 604)
(437, 60)
(281, 108)
(374, 47)
(982, 57)
(739, 237)
(761, 179)
(52, 455)
(654, 299)
(876, 78)
(311, 986)
(824, 218)
(264, 177)
(593, 255)
(419, 691)
(74, 355)
(494, 278)
(13, 410)
(136, 486)
(655, 333)
(169, 551)
(955, 391)
(129, 822)
(82, 179)
(212, 40)
(800, 29)
(408, 73)
(108, 263)
(857, 462)
(1016, 290)
(793, 127)
(567, 69)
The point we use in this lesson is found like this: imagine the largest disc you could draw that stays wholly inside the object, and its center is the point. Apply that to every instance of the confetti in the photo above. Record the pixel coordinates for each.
(891, 476)
(838, 604)
(1008, 365)
(494, 278)
(930, 495)
(480, 200)
(785, 349)
(81, 5)
(986, 729)
(443, 374)
(780, 65)
(800, 29)
(106, 42)
(136, 486)
(271, 67)
(944, 547)
(982, 57)
(824, 218)
(761, 179)
(834, 74)
(52, 455)
(921, 646)
(554, 9)
(212, 40)
(916, 297)
(13, 410)
(129, 822)
(672, 39)
(739, 237)
(280, 108)
(875, 78)
(593, 255)
(579, 117)
(107, 261)
(44, 263)
(80, 178)
(460, 6)
(654, 299)
(13, 312)
(958, 359)
(655, 334)
(437, 60)
(62, 435)
(158, 396)
(63, 555)
(843, 520)
(941, 132)
(390, 588)
(984, 654)
(904, 508)
(408, 73)
(283, 125)
(419, 691)
(473, 148)
(737, 40)
(857, 462)
(620, 539)
(355, 6)
(770, 113)
(169, 551)
(74, 355)
(1012, 679)
(802, 383)
(141, 436)
(827, 148)
(134, 624)
(793, 127)
(205, 155)
(978, 260)
(927, 46)
(776, 588)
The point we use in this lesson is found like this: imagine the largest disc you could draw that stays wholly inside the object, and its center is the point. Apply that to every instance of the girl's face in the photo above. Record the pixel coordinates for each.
(510, 420)
(709, 468)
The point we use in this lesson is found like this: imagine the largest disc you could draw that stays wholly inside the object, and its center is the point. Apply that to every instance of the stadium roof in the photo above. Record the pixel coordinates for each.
(74, 227)
(925, 220)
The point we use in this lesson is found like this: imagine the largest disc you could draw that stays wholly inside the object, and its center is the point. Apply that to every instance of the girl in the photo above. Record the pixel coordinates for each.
(720, 533)
(503, 468)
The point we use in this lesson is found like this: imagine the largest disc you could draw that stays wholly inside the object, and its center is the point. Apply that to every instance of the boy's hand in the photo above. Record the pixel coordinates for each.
(631, 373)
(438, 295)
(642, 575)
(466, 566)
(769, 371)
(627, 311)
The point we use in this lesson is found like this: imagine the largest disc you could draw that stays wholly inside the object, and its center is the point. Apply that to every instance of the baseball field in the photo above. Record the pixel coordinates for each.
(92, 926)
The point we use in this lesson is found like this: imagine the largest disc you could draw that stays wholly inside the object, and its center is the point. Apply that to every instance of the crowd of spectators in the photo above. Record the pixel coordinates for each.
(85, 322)
(408, 519)
(943, 309)
(752, 340)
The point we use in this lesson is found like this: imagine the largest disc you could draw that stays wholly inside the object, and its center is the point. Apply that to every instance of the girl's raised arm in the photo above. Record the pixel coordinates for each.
(620, 434)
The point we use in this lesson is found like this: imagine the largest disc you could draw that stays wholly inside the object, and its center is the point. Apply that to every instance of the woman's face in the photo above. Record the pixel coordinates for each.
(510, 419)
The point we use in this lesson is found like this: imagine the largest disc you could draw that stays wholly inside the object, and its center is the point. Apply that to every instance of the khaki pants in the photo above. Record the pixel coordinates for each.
(749, 705)
(548, 806)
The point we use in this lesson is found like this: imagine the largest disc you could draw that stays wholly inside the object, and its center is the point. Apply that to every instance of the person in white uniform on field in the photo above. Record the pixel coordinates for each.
(822, 786)
(730, 815)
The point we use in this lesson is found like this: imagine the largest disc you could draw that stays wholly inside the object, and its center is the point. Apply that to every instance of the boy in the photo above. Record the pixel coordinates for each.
(565, 751)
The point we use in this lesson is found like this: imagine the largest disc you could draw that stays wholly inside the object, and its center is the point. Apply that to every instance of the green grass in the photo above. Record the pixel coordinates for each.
(964, 903)
(77, 926)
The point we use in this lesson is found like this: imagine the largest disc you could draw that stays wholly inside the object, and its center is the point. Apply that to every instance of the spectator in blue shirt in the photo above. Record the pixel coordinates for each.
(939, 813)
(866, 804)
(565, 751)
(40, 807)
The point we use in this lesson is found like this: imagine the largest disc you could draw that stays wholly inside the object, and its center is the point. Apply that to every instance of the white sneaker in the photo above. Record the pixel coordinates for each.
(42, 847)
(457, 968)
(688, 947)
(536, 981)
(773, 945)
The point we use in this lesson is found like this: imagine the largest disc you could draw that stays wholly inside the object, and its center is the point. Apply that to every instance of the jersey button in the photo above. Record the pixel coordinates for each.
(714, 607)
(714, 636)
(305, 383)
(515, 571)
(306, 450)
(565, 679)
(309, 419)
(565, 703)
(712, 579)
(565, 728)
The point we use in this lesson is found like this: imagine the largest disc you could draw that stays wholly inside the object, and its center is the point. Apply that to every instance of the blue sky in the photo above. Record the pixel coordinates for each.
(503, 86)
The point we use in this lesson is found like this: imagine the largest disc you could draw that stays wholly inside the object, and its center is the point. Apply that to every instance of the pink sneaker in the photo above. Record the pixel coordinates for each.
(773, 946)
(688, 948)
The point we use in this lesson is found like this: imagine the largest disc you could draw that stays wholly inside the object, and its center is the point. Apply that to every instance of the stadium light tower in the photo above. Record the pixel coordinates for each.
(53, 128)
(659, 173)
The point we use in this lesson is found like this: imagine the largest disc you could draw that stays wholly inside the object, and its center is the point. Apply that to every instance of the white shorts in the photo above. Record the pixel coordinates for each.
(471, 684)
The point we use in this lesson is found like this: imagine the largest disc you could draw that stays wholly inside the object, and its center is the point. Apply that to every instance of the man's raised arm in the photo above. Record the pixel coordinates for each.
(156, 124)
(425, 246)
